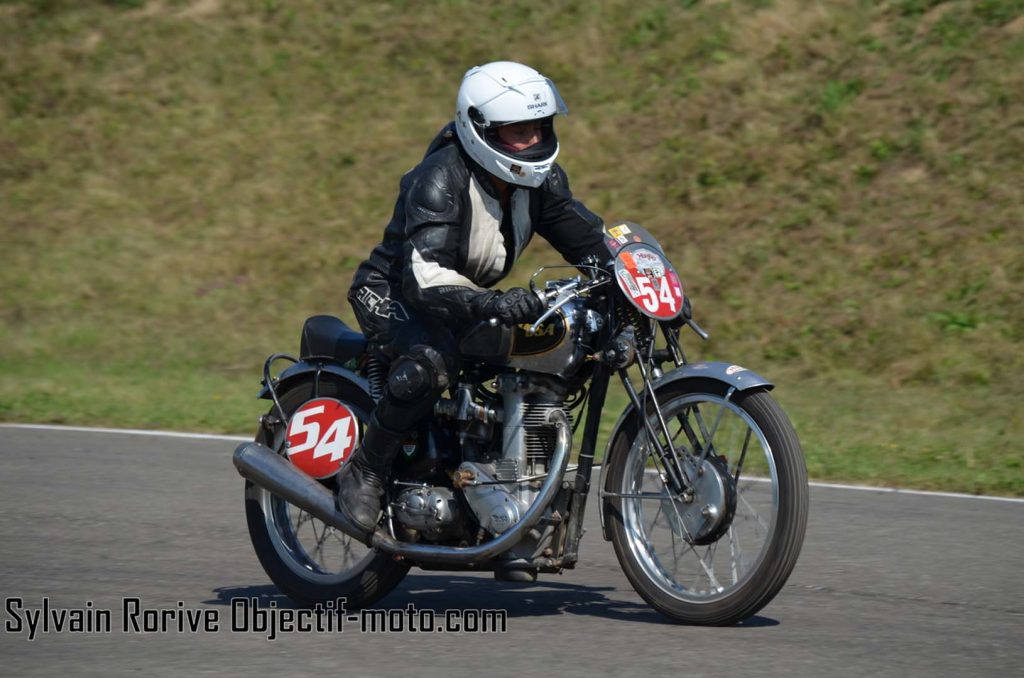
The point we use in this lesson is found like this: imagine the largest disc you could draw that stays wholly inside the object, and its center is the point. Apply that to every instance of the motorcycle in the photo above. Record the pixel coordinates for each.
(702, 490)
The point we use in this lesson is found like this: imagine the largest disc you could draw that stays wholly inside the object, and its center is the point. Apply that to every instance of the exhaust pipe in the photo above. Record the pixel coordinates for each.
(272, 472)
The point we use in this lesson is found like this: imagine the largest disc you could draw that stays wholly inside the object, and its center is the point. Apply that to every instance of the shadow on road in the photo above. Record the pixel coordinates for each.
(447, 592)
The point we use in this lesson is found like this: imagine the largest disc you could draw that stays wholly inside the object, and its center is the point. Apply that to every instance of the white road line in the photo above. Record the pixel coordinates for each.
(210, 436)
(901, 490)
(128, 431)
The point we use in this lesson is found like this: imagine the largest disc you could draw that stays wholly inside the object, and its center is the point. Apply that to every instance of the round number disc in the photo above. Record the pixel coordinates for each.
(648, 280)
(321, 436)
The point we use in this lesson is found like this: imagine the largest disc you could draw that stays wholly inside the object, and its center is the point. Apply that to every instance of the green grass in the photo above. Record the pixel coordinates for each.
(854, 429)
(182, 182)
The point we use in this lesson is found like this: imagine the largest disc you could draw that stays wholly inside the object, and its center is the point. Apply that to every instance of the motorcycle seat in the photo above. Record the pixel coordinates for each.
(325, 335)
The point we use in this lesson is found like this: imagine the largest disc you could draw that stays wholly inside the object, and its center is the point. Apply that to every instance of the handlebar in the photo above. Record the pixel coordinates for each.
(572, 289)
(564, 294)
(561, 296)
(697, 328)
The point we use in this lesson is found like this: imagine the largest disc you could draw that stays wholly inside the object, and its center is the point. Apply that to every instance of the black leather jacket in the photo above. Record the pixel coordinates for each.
(449, 240)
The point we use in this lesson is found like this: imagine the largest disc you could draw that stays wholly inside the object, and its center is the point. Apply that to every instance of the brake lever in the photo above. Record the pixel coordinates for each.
(544, 296)
(552, 294)
(552, 310)
(573, 290)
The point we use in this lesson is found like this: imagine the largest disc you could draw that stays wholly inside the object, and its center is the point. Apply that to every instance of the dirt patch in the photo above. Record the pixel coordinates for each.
(201, 8)
(92, 41)
(786, 20)
(150, 9)
(913, 175)
(1015, 27)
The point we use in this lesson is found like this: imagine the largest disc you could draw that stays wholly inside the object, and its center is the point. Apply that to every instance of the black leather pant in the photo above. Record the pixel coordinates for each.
(422, 355)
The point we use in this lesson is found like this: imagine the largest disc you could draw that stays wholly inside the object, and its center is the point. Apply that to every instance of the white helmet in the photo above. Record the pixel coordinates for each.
(501, 93)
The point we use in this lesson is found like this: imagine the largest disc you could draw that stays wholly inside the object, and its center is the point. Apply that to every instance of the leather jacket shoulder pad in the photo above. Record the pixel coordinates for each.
(434, 191)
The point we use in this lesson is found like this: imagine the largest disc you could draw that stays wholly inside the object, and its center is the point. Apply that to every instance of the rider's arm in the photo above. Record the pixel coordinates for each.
(566, 223)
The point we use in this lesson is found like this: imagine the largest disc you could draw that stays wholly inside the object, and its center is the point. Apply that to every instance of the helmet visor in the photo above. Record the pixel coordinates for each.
(538, 99)
(561, 108)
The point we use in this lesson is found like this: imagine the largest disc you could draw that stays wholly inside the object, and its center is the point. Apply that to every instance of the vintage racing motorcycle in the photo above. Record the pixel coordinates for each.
(702, 490)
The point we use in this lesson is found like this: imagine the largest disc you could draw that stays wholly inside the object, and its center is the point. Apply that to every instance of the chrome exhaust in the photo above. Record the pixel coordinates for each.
(271, 471)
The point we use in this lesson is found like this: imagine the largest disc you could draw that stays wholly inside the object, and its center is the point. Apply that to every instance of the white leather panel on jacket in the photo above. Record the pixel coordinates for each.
(432, 274)
(485, 260)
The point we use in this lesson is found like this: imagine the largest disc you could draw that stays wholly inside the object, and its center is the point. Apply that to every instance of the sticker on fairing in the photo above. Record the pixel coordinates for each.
(321, 436)
(627, 279)
(648, 280)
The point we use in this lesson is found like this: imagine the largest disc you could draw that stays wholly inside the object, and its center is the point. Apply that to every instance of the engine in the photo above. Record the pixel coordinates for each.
(505, 452)
(430, 511)
(486, 487)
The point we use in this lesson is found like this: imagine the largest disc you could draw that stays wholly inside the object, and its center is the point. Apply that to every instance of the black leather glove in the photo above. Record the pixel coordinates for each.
(512, 307)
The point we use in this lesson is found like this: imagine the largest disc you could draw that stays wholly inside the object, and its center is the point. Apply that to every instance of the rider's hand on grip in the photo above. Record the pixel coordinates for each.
(518, 305)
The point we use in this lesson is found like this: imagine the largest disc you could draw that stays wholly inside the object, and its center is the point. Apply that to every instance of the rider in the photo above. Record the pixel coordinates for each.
(487, 183)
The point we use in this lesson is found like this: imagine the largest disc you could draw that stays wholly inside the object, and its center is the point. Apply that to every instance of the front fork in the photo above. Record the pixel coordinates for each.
(673, 471)
(675, 476)
(670, 465)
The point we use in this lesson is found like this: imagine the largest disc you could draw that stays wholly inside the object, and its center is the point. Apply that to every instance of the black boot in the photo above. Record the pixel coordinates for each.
(361, 479)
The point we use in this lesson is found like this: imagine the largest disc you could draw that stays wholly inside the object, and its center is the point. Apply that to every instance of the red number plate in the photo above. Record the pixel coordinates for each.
(321, 436)
(649, 281)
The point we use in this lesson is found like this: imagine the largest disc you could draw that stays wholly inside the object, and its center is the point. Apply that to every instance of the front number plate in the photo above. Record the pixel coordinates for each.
(649, 281)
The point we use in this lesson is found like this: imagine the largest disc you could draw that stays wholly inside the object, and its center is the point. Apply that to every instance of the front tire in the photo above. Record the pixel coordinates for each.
(719, 556)
(309, 561)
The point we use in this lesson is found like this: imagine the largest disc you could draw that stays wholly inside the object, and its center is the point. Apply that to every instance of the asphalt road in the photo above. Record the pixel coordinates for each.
(887, 585)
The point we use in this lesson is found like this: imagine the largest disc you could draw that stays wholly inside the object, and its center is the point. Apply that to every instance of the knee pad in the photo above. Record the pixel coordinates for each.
(419, 374)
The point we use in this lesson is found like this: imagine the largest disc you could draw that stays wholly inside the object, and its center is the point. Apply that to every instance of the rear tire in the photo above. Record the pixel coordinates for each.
(679, 574)
(309, 561)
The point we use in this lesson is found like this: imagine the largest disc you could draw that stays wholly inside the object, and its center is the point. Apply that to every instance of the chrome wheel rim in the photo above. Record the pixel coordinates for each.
(658, 529)
(312, 549)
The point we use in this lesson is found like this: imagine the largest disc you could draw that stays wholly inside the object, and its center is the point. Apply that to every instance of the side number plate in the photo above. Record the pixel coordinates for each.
(321, 436)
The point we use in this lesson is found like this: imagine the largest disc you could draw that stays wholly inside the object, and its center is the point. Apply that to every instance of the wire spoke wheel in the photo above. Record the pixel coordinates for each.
(311, 548)
(719, 550)
(310, 561)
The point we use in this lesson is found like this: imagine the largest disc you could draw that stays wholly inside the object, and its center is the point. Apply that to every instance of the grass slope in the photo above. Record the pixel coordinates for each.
(182, 182)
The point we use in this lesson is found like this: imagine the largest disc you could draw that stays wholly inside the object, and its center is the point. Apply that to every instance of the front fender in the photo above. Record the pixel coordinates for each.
(304, 369)
(729, 374)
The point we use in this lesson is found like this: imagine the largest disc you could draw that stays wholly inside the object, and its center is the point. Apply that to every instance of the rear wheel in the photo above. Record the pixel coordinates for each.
(310, 561)
(719, 553)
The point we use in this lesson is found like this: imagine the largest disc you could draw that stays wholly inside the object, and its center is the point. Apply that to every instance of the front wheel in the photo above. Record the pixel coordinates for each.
(310, 561)
(718, 552)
